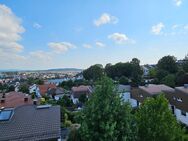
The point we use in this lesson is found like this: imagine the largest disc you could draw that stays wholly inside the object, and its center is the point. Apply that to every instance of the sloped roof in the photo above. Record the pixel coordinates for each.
(56, 91)
(123, 88)
(78, 91)
(44, 88)
(182, 89)
(155, 89)
(29, 123)
(14, 99)
(81, 88)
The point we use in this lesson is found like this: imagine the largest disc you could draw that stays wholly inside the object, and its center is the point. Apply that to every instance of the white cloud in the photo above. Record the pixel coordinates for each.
(121, 38)
(186, 27)
(175, 26)
(105, 18)
(37, 25)
(157, 29)
(100, 44)
(87, 46)
(178, 2)
(41, 55)
(10, 33)
(61, 47)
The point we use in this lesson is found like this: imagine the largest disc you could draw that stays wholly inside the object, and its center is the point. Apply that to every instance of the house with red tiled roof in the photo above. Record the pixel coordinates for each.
(14, 99)
(43, 89)
(76, 92)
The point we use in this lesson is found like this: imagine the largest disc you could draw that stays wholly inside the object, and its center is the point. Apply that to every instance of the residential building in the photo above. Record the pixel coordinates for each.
(178, 102)
(125, 93)
(76, 92)
(35, 89)
(14, 99)
(151, 90)
(45, 88)
(56, 93)
(41, 90)
(30, 123)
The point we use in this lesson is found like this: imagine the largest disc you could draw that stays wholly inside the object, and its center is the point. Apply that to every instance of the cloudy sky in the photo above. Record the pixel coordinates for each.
(78, 33)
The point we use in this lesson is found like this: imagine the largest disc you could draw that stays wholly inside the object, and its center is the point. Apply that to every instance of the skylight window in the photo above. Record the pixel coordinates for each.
(5, 115)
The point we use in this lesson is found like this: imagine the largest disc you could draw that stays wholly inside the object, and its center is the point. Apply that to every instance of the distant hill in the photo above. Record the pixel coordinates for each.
(9, 70)
(57, 69)
(65, 69)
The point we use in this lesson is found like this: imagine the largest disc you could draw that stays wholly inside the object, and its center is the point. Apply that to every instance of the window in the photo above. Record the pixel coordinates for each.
(174, 97)
(183, 113)
(5, 114)
(179, 100)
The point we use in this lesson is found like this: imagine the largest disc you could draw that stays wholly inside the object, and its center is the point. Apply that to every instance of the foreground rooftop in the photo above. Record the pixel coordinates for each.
(29, 122)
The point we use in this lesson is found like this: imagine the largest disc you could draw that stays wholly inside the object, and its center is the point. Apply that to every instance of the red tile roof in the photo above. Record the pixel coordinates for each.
(44, 88)
(14, 99)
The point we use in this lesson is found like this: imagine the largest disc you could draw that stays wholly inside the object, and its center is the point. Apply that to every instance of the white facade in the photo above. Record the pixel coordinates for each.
(74, 100)
(127, 98)
(34, 89)
(181, 116)
(57, 97)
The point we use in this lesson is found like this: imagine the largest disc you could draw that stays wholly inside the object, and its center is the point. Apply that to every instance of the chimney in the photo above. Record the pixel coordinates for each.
(26, 98)
(185, 86)
(3, 96)
(2, 100)
(34, 102)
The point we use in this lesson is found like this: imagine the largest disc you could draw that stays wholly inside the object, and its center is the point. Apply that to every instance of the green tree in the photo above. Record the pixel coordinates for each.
(65, 101)
(3, 87)
(123, 80)
(106, 117)
(168, 63)
(131, 70)
(24, 88)
(94, 72)
(83, 98)
(185, 63)
(67, 84)
(156, 122)
(136, 71)
(161, 74)
(169, 80)
(11, 88)
(39, 82)
(181, 78)
(152, 72)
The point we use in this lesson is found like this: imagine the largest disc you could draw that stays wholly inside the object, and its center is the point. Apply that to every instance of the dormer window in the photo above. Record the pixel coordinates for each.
(179, 100)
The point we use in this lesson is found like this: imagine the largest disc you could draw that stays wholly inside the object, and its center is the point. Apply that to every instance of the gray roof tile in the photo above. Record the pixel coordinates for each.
(30, 123)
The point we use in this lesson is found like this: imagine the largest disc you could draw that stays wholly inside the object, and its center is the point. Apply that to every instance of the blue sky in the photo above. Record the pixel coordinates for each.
(78, 33)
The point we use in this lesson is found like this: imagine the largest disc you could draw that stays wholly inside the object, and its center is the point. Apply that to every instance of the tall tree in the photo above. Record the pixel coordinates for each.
(105, 116)
(168, 63)
(94, 72)
(185, 63)
(169, 80)
(123, 80)
(156, 122)
(136, 71)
